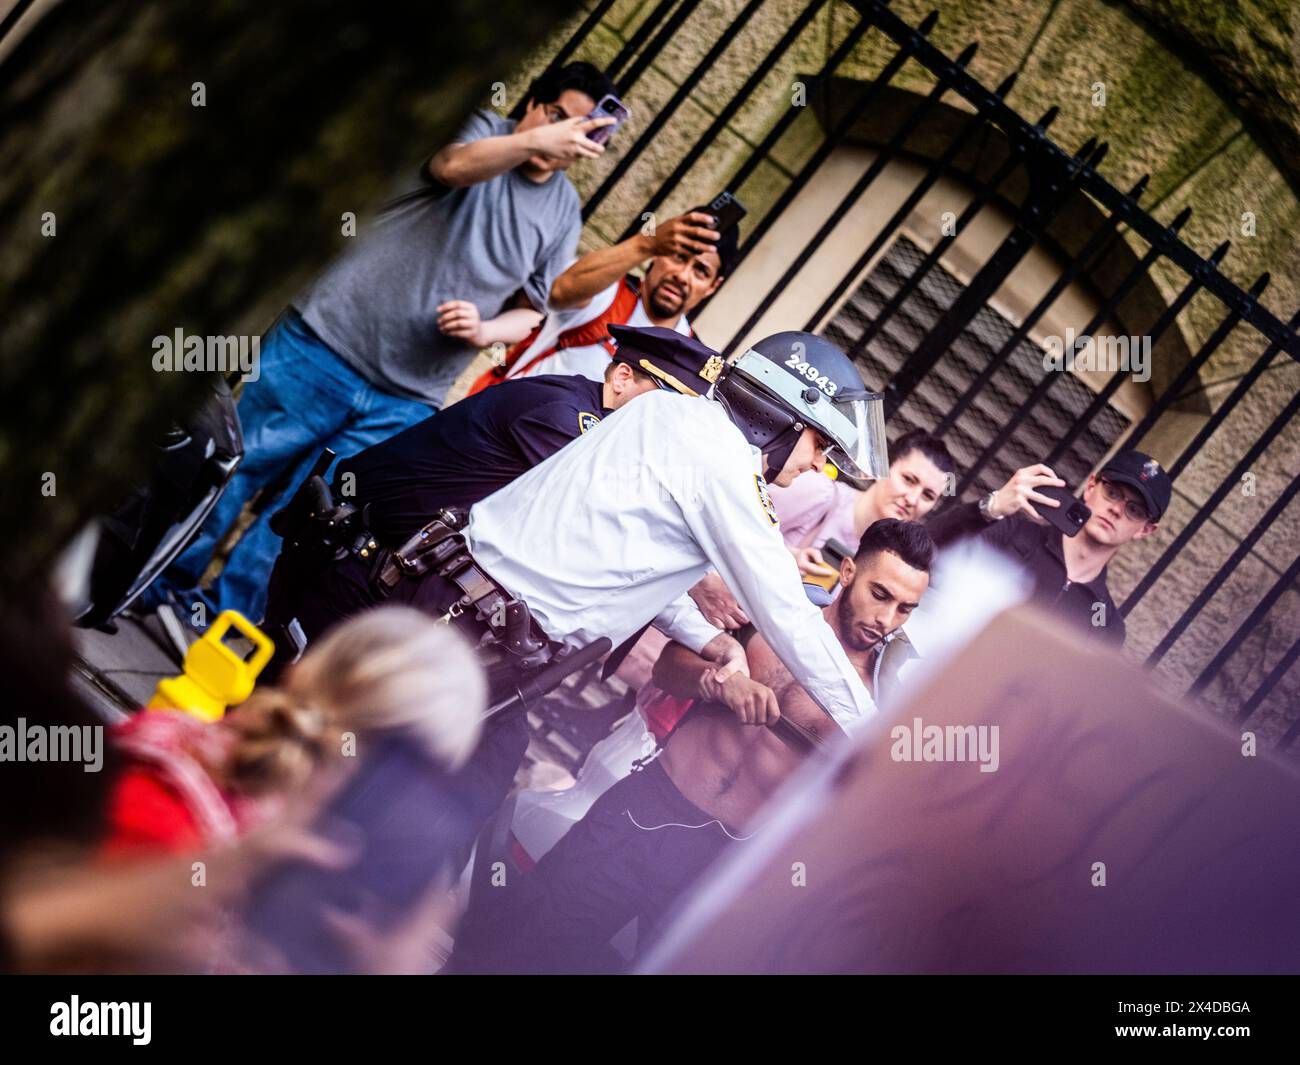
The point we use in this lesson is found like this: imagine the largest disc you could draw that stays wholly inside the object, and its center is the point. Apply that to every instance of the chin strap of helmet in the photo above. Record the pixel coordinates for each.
(779, 450)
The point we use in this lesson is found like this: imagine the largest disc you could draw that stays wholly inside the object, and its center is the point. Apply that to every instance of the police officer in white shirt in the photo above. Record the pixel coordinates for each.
(611, 531)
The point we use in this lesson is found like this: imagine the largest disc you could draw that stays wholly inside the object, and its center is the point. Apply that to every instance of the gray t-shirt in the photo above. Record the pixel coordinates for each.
(376, 305)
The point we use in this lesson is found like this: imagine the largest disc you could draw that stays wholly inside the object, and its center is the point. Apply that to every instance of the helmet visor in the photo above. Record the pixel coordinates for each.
(857, 431)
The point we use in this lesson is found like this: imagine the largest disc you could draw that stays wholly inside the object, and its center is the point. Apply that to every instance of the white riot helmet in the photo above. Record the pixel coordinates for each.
(792, 381)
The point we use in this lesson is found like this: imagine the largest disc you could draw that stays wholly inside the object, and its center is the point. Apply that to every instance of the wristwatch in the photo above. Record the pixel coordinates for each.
(984, 504)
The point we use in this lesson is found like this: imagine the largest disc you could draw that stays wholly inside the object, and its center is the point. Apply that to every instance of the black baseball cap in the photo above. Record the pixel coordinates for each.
(677, 362)
(1143, 474)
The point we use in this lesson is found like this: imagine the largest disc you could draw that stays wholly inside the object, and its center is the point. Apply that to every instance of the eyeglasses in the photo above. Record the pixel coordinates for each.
(1132, 507)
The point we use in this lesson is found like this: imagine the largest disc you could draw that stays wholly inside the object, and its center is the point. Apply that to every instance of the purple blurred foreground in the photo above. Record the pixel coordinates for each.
(939, 867)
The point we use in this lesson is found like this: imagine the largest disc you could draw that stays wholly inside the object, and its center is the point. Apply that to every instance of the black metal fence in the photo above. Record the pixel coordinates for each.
(944, 359)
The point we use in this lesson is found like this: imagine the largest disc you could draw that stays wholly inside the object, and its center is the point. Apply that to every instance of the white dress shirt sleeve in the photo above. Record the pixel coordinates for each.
(682, 621)
(733, 528)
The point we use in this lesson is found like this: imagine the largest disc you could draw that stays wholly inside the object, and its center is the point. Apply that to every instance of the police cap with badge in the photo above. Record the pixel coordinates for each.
(677, 363)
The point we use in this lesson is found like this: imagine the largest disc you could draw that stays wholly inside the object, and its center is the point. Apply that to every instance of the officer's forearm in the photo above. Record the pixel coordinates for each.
(682, 621)
(596, 271)
(799, 635)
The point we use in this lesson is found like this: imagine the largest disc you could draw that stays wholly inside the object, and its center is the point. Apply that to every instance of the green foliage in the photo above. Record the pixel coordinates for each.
(204, 218)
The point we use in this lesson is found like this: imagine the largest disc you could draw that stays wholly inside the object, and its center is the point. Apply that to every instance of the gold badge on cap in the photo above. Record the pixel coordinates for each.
(712, 369)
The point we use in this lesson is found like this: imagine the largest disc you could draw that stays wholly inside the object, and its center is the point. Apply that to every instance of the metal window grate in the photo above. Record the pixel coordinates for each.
(971, 352)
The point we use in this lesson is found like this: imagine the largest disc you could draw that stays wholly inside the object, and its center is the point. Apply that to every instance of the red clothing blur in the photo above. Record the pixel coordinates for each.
(661, 711)
(166, 798)
(147, 814)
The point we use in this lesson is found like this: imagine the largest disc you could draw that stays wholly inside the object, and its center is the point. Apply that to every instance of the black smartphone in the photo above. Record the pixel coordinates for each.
(727, 210)
(1071, 516)
(402, 812)
(609, 107)
(835, 553)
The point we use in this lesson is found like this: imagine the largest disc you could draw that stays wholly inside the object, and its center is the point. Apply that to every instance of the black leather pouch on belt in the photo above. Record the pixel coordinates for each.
(430, 548)
(440, 548)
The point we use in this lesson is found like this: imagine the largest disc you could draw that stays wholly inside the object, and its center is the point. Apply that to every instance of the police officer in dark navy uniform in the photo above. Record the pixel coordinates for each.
(468, 451)
(461, 455)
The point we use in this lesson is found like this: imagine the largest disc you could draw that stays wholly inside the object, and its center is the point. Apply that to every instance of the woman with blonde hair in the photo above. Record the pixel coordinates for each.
(390, 670)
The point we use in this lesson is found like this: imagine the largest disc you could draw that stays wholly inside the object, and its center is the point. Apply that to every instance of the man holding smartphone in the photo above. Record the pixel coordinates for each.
(469, 259)
(1126, 498)
(688, 260)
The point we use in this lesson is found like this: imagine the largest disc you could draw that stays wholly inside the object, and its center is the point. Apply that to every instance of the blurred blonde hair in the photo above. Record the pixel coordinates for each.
(391, 668)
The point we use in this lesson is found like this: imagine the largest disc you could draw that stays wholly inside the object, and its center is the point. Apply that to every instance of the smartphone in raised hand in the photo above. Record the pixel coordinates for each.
(726, 210)
(609, 107)
(1072, 514)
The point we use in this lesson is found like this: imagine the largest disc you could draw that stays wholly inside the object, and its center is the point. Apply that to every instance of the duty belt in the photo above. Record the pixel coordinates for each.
(439, 548)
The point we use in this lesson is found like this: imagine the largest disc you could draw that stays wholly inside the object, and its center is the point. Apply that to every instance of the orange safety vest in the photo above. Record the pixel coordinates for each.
(594, 332)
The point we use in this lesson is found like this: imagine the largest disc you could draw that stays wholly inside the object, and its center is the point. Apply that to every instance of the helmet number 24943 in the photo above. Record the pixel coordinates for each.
(806, 370)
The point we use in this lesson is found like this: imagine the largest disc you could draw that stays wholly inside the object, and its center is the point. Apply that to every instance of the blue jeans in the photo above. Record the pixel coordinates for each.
(306, 399)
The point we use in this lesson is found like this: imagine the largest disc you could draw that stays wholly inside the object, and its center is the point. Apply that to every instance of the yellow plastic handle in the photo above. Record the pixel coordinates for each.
(264, 644)
(214, 676)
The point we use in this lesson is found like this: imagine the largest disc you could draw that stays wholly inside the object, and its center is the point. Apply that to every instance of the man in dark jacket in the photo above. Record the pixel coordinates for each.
(1127, 499)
